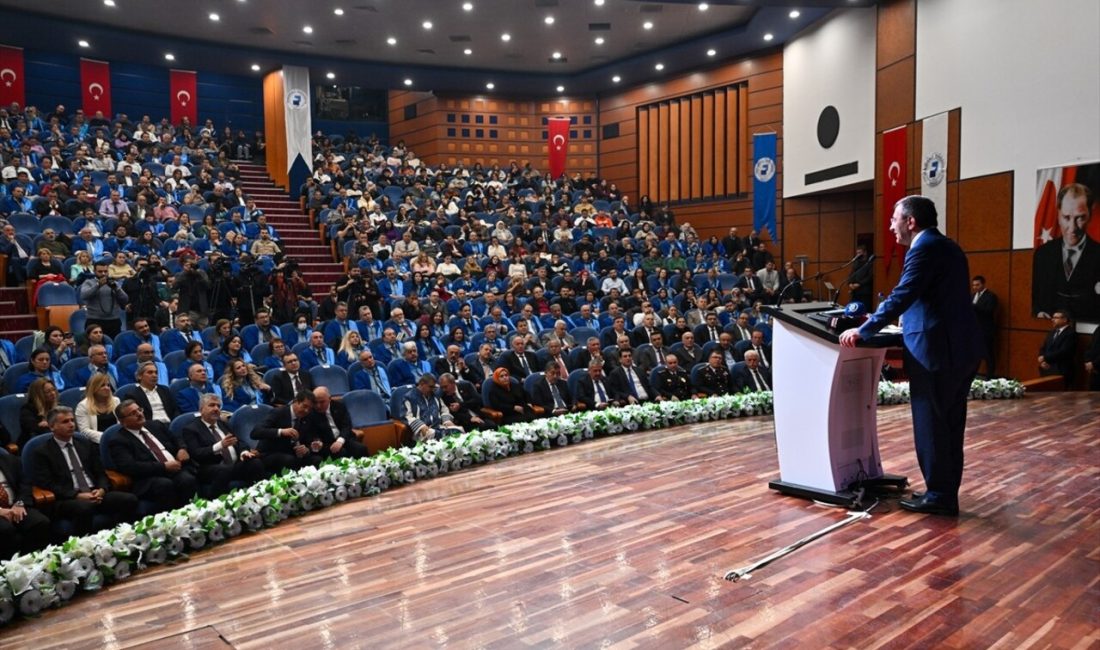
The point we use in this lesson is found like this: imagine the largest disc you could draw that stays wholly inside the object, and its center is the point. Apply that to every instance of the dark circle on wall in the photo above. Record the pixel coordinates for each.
(828, 126)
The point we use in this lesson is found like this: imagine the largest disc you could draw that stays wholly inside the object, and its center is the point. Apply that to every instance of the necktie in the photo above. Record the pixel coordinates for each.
(153, 446)
(759, 379)
(558, 402)
(763, 360)
(1069, 262)
(295, 383)
(630, 382)
(227, 455)
(379, 385)
(417, 372)
(78, 469)
(713, 334)
(523, 362)
(600, 391)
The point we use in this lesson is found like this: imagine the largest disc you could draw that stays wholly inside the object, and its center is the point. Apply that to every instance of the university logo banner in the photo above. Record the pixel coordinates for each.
(12, 87)
(894, 172)
(183, 95)
(95, 83)
(933, 169)
(557, 144)
(763, 184)
(296, 105)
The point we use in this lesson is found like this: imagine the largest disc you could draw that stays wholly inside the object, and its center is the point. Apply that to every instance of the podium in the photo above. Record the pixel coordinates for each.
(826, 405)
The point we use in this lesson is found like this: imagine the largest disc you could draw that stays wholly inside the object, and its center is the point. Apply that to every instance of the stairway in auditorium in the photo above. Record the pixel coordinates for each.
(300, 241)
(16, 321)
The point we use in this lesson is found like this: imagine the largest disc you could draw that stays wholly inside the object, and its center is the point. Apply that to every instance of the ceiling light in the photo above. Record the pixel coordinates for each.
(467, 6)
(505, 37)
(467, 51)
(490, 86)
(599, 40)
(307, 29)
(703, 6)
(427, 24)
(109, 3)
(338, 11)
(170, 56)
(83, 43)
(768, 36)
(794, 13)
(549, 20)
(561, 89)
(712, 52)
(255, 67)
(330, 75)
(599, 3)
(647, 25)
(659, 67)
(408, 82)
(616, 79)
(215, 17)
(391, 40)
(556, 55)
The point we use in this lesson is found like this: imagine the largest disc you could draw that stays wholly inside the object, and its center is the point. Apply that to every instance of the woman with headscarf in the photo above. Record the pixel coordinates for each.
(509, 398)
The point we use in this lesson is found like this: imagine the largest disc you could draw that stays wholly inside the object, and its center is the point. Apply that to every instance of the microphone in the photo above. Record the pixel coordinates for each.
(779, 300)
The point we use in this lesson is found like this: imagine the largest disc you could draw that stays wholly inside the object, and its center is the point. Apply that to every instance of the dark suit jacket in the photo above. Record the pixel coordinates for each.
(200, 442)
(939, 328)
(169, 402)
(541, 396)
(702, 334)
(639, 335)
(468, 399)
(743, 377)
(318, 423)
(474, 374)
(620, 386)
(134, 459)
(1058, 351)
(648, 359)
(688, 358)
(1050, 290)
(442, 366)
(53, 472)
(282, 389)
(985, 309)
(13, 471)
(510, 361)
(586, 392)
(267, 434)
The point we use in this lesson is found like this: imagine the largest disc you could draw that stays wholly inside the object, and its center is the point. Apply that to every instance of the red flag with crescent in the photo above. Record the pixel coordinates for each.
(894, 170)
(557, 144)
(12, 88)
(184, 99)
(95, 81)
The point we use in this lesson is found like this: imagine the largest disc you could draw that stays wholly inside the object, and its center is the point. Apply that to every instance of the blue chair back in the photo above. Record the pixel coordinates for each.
(575, 356)
(739, 349)
(529, 383)
(9, 413)
(696, 373)
(56, 293)
(23, 347)
(574, 379)
(397, 402)
(181, 421)
(247, 418)
(653, 375)
(12, 375)
(26, 454)
(104, 446)
(366, 408)
(172, 361)
(78, 321)
(260, 351)
(71, 397)
(582, 334)
(127, 365)
(70, 368)
(334, 378)
(25, 223)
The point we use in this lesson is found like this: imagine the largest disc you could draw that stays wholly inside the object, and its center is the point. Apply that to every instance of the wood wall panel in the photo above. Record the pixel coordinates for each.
(674, 147)
(896, 37)
(685, 149)
(663, 151)
(707, 149)
(643, 146)
(895, 95)
(275, 129)
(654, 152)
(984, 214)
(744, 158)
(722, 163)
(696, 146)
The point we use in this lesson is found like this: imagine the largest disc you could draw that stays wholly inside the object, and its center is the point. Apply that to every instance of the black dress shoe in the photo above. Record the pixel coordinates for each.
(913, 496)
(925, 506)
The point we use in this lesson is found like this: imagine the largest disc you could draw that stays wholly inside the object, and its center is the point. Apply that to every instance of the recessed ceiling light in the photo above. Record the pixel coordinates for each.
(427, 24)
(467, 51)
(549, 20)
(794, 13)
(338, 11)
(556, 55)
(703, 6)
(109, 3)
(659, 67)
(467, 6)
(408, 82)
(255, 67)
(505, 37)
(616, 79)
(712, 52)
(647, 25)
(599, 3)
(561, 89)
(391, 41)
(307, 29)
(490, 86)
(215, 17)
(170, 56)
(83, 43)
(330, 75)
(768, 36)
(599, 40)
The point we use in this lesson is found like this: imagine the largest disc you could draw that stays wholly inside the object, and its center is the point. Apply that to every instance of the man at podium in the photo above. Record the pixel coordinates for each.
(942, 348)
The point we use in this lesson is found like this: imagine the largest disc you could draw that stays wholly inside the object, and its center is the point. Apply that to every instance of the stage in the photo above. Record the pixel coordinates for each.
(623, 541)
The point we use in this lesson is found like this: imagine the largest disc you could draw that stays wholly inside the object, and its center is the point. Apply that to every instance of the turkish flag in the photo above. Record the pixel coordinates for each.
(95, 81)
(557, 144)
(12, 88)
(894, 170)
(184, 96)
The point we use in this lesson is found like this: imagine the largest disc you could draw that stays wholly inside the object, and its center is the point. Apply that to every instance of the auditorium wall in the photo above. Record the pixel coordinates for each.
(983, 195)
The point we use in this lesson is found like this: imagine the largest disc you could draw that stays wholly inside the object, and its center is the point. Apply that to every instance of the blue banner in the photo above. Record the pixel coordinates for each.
(763, 184)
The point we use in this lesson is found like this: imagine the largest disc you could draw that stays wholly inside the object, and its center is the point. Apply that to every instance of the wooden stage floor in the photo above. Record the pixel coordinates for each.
(623, 542)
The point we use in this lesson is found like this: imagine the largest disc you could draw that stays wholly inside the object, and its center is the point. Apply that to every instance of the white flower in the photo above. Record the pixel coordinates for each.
(65, 589)
(93, 581)
(7, 610)
(31, 602)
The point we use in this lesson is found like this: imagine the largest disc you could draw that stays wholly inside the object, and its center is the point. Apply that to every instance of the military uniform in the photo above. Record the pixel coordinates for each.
(715, 381)
(672, 383)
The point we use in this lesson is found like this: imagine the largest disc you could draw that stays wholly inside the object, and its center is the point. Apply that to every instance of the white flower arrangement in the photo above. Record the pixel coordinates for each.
(52, 576)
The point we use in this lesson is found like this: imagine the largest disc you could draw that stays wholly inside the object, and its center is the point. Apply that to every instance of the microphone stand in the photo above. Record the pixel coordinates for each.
(817, 276)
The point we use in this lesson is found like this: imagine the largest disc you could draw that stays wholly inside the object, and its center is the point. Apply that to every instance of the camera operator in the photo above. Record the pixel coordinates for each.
(352, 288)
(144, 290)
(223, 288)
(193, 286)
(290, 290)
(102, 298)
(253, 288)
